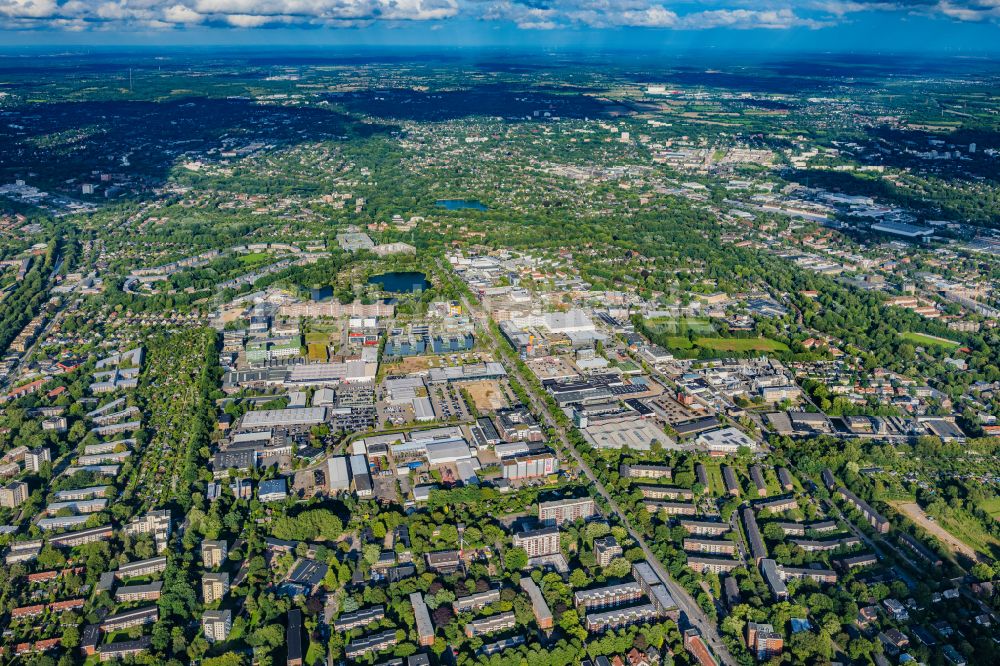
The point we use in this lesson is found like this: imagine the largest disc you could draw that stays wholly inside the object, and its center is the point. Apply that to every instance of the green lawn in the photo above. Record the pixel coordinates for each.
(741, 344)
(317, 338)
(992, 507)
(679, 342)
(716, 486)
(675, 325)
(929, 340)
(254, 258)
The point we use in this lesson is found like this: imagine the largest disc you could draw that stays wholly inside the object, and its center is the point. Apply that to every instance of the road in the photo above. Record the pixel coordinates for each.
(691, 612)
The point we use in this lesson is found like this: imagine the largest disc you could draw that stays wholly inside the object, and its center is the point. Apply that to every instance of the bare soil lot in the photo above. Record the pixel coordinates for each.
(913, 511)
(487, 395)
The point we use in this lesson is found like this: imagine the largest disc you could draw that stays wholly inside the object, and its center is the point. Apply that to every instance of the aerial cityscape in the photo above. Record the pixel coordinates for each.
(445, 338)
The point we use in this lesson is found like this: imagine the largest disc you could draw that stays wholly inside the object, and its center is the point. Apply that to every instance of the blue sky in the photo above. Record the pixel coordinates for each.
(954, 26)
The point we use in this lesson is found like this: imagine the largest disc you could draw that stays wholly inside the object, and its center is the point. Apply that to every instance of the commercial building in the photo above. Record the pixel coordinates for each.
(338, 478)
(272, 490)
(361, 478)
(725, 441)
(541, 462)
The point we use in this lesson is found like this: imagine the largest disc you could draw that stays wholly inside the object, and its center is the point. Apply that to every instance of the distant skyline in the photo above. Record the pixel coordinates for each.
(942, 26)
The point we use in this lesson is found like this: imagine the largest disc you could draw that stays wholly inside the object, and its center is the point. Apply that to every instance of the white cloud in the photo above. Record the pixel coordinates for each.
(181, 14)
(527, 14)
(28, 8)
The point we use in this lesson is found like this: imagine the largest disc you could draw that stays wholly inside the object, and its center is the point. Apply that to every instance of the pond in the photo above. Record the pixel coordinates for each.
(459, 204)
(401, 282)
(321, 293)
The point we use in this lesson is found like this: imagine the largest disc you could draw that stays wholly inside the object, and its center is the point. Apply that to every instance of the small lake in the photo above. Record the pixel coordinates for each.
(459, 204)
(401, 282)
(321, 293)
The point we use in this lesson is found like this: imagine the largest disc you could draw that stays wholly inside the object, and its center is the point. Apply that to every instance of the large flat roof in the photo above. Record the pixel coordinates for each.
(266, 418)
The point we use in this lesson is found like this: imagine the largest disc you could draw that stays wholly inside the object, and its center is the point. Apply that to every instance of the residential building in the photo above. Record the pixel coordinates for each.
(540, 542)
(543, 615)
(35, 458)
(763, 641)
(214, 586)
(122, 649)
(359, 618)
(373, 643)
(217, 625)
(148, 592)
(213, 553)
(425, 627)
(568, 510)
(874, 518)
(14, 494)
(606, 549)
(491, 624)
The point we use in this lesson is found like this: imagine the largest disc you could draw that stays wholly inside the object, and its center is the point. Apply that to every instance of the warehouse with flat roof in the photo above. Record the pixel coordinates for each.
(269, 418)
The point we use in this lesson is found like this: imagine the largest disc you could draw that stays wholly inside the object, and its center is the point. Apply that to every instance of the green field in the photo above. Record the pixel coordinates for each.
(680, 325)
(992, 507)
(679, 342)
(254, 258)
(317, 338)
(929, 340)
(741, 344)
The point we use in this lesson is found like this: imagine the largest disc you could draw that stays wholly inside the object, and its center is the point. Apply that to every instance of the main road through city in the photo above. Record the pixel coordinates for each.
(693, 614)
